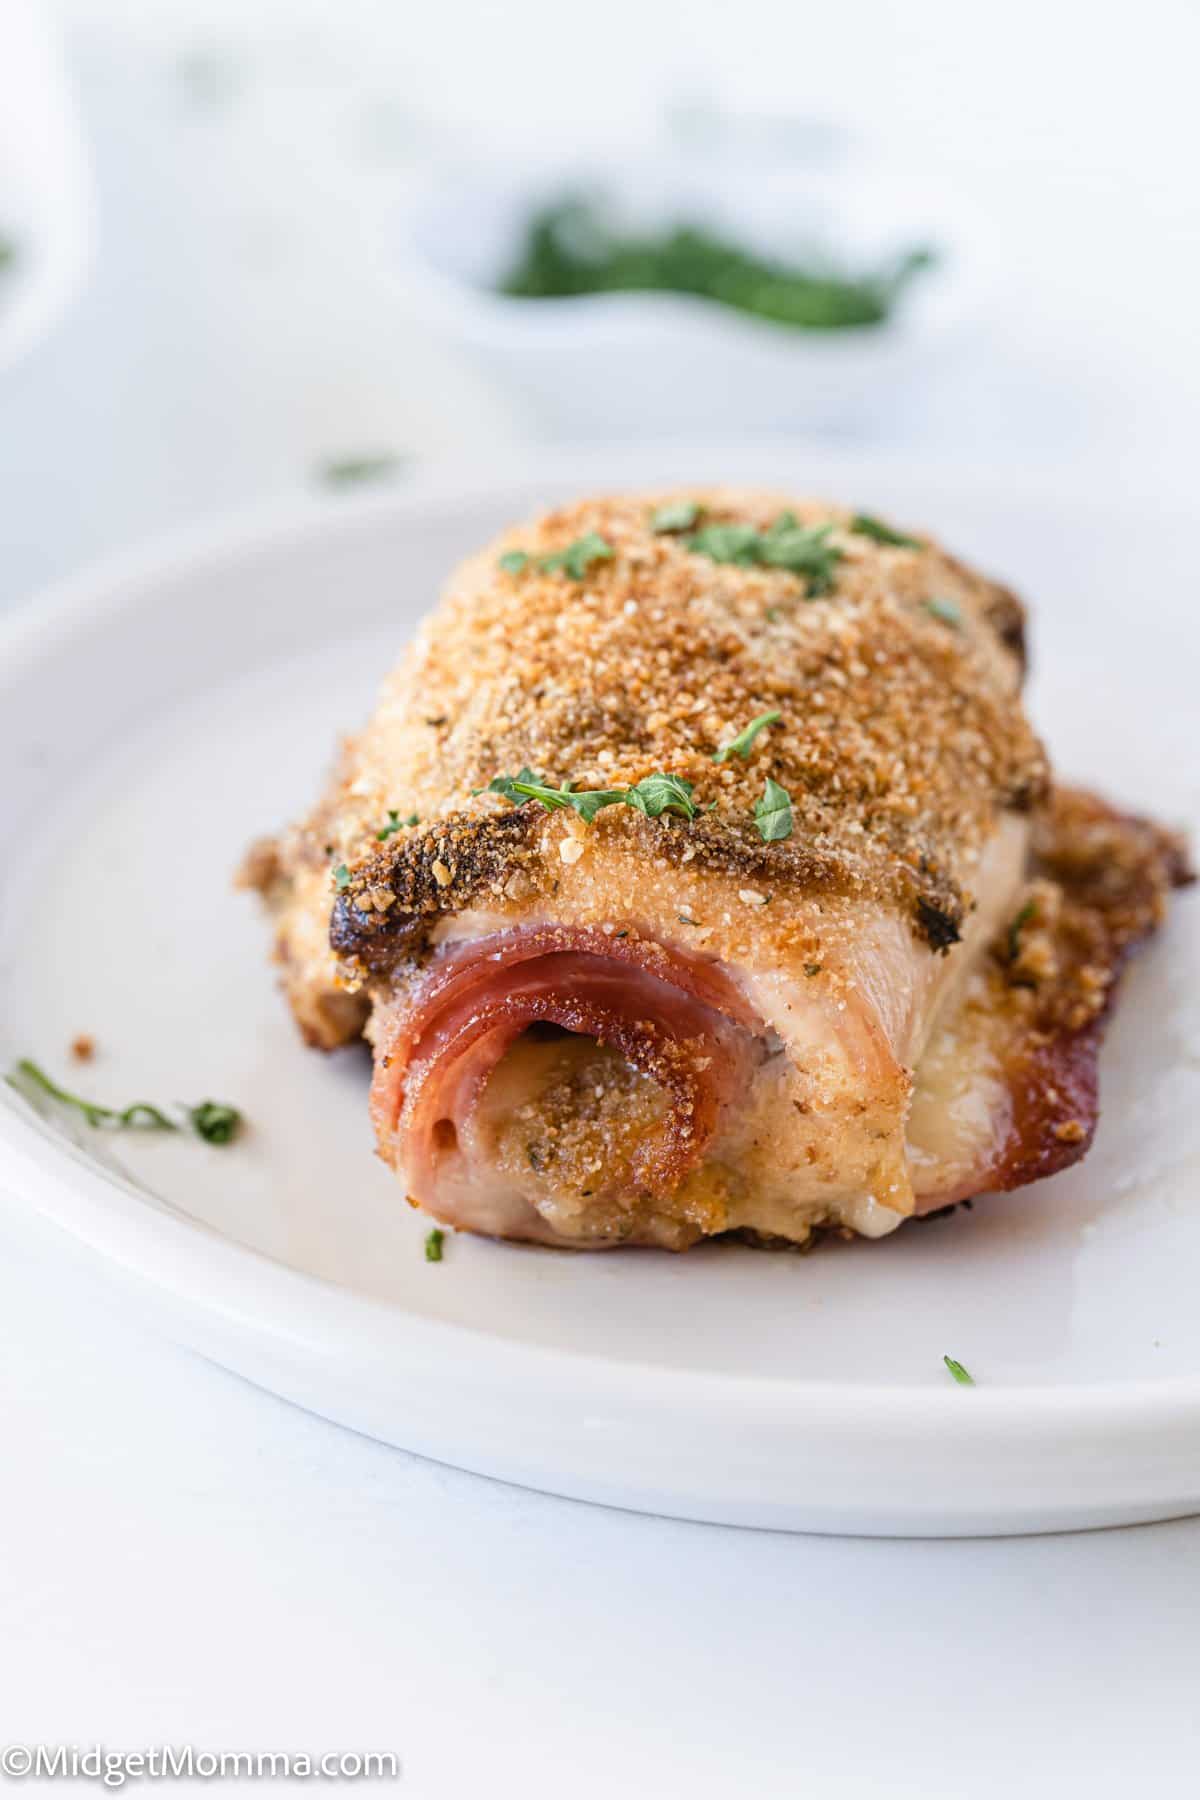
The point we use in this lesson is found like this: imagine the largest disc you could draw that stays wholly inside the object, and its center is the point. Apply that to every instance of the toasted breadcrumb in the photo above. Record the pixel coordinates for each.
(900, 740)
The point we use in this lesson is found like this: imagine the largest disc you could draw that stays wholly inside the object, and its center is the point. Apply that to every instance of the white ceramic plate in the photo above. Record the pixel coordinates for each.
(156, 716)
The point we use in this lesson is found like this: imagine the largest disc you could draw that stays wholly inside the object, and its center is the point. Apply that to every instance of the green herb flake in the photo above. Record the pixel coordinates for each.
(215, 1122)
(738, 544)
(1017, 927)
(676, 515)
(659, 793)
(588, 803)
(653, 795)
(526, 786)
(578, 557)
(574, 245)
(773, 813)
(341, 878)
(946, 612)
(800, 550)
(813, 968)
(433, 1245)
(963, 1377)
(141, 1116)
(574, 560)
(863, 525)
(212, 1120)
(352, 471)
(743, 743)
(394, 824)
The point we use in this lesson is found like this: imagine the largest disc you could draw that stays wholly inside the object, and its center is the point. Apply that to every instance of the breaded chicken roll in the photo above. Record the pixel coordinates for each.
(700, 872)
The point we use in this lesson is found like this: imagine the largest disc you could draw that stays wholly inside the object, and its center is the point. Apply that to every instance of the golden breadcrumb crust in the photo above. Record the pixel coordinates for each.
(901, 737)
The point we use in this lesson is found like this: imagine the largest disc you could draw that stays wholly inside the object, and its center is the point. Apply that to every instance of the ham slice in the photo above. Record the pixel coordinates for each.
(679, 1021)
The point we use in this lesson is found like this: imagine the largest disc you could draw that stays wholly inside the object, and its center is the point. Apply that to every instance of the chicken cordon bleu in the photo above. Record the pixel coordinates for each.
(699, 872)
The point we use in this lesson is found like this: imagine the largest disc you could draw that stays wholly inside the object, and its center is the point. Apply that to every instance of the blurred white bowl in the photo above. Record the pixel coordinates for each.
(663, 364)
(46, 204)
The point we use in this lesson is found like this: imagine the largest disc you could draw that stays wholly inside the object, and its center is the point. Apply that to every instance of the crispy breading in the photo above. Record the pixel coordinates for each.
(1099, 887)
(901, 738)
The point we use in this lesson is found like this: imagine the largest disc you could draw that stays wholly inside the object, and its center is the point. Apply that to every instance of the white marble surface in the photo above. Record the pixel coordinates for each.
(189, 1560)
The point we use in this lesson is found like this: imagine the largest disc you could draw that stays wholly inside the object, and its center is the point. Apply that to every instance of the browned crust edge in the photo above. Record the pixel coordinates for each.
(1104, 877)
(393, 898)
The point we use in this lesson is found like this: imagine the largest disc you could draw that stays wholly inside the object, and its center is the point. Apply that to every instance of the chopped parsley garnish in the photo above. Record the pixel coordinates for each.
(728, 543)
(394, 824)
(812, 968)
(786, 544)
(211, 1120)
(573, 247)
(341, 878)
(773, 813)
(215, 1122)
(575, 560)
(349, 471)
(947, 612)
(676, 515)
(743, 743)
(1017, 927)
(656, 794)
(578, 557)
(526, 786)
(653, 795)
(802, 551)
(863, 525)
(961, 1375)
(433, 1245)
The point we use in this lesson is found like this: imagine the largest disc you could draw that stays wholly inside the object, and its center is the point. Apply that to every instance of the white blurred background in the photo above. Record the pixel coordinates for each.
(243, 318)
(212, 192)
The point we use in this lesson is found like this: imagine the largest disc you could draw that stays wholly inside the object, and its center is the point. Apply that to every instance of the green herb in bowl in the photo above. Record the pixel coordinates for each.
(570, 249)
